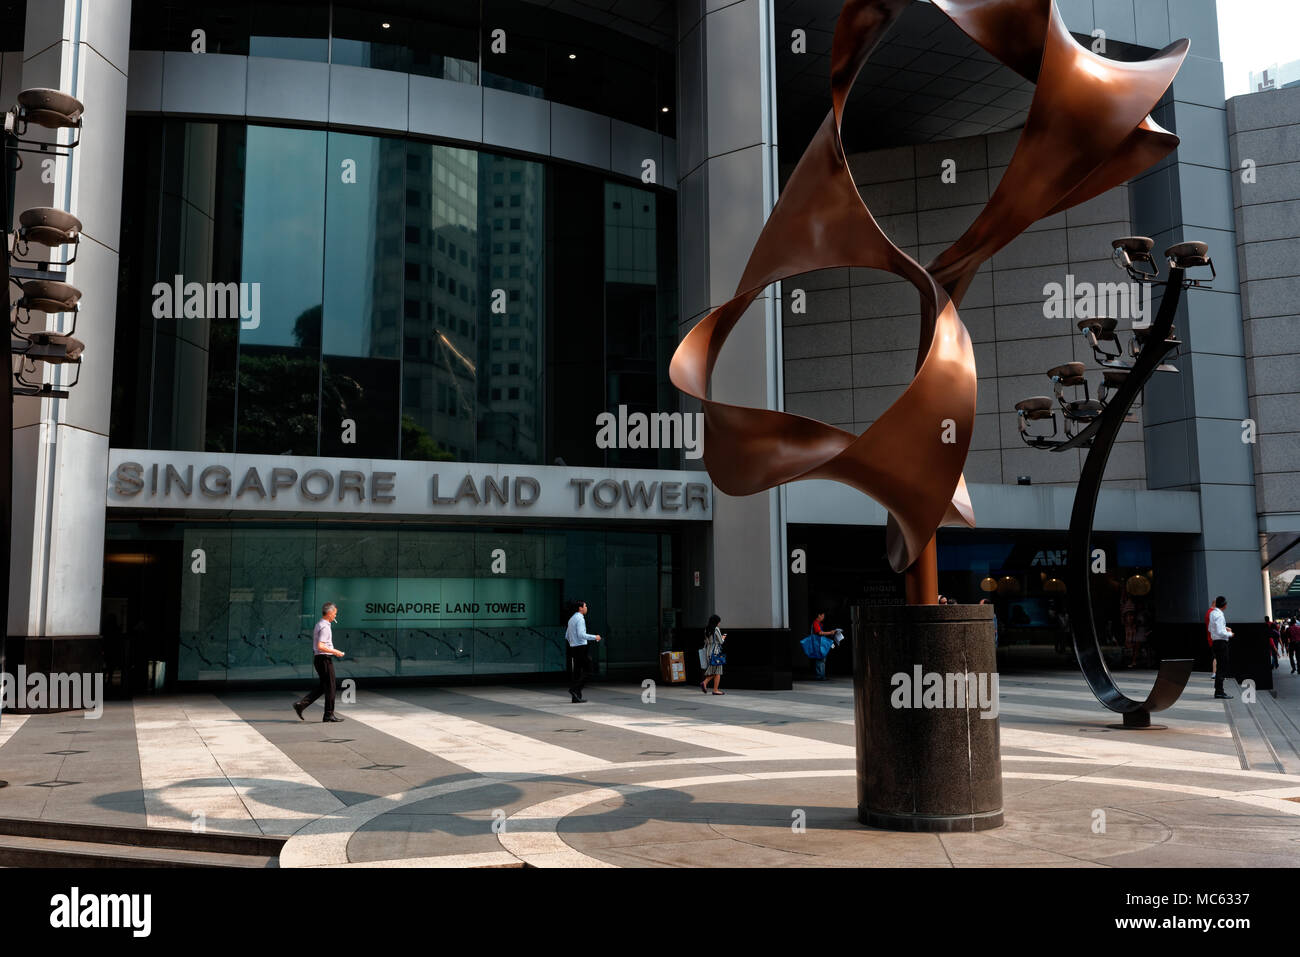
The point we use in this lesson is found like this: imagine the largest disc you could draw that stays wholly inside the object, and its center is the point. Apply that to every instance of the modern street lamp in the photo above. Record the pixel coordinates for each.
(1094, 424)
(41, 286)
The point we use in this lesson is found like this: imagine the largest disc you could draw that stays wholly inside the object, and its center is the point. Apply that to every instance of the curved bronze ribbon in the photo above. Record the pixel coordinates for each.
(1088, 129)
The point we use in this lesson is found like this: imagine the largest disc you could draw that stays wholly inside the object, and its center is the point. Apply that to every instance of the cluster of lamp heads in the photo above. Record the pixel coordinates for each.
(39, 279)
(1133, 255)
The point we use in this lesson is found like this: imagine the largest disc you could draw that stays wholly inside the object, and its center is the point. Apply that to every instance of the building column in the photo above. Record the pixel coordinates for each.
(61, 445)
(727, 158)
(1194, 420)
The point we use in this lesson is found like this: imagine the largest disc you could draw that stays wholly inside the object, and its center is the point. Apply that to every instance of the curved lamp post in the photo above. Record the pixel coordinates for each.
(41, 287)
(1094, 425)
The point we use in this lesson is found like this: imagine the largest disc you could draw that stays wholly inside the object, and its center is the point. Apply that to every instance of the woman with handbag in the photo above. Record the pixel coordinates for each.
(713, 640)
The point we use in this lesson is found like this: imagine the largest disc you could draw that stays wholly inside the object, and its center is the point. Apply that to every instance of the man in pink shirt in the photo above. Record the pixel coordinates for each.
(323, 655)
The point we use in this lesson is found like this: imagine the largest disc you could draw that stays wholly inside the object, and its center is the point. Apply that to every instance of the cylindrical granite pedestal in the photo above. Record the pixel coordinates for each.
(925, 710)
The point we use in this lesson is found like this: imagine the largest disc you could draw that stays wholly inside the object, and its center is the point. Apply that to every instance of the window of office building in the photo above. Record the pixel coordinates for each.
(516, 45)
(286, 29)
(364, 295)
(410, 36)
(362, 288)
(278, 400)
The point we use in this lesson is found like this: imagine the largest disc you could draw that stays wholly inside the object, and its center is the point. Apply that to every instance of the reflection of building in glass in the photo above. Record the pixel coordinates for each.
(511, 194)
(440, 329)
(631, 309)
(471, 380)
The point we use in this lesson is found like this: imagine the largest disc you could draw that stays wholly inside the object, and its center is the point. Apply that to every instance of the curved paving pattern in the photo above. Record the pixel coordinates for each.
(492, 777)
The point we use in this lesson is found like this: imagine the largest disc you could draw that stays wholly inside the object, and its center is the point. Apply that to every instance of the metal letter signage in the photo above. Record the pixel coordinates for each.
(192, 481)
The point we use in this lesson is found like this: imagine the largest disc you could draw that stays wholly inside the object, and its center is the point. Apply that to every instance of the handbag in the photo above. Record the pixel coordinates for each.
(811, 646)
(718, 659)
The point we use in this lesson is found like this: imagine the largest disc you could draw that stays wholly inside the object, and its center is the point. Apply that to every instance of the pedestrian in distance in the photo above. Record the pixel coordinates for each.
(822, 633)
(1293, 643)
(323, 655)
(1221, 635)
(576, 635)
(1274, 640)
(713, 655)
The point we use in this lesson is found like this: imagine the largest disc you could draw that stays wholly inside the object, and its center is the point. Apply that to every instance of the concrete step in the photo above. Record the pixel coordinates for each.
(33, 843)
(46, 852)
(207, 841)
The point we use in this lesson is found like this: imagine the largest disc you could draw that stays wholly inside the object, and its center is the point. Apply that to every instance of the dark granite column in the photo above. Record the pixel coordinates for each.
(925, 712)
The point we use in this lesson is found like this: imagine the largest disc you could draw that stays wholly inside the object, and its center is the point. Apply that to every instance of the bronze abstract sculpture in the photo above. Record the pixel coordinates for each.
(1088, 129)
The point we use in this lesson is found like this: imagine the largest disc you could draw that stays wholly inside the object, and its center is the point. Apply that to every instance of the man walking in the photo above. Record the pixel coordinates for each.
(1292, 635)
(576, 635)
(323, 655)
(1221, 634)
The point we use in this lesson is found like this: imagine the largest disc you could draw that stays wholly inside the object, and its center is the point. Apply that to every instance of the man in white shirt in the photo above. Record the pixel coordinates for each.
(576, 635)
(1220, 635)
(323, 655)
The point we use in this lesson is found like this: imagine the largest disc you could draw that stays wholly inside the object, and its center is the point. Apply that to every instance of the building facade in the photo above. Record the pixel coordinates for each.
(365, 282)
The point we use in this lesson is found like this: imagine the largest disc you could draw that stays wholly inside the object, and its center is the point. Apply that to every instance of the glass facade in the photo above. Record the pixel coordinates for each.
(625, 71)
(1022, 575)
(412, 601)
(311, 292)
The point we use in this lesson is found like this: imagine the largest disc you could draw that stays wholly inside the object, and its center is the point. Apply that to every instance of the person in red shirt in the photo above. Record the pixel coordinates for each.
(824, 631)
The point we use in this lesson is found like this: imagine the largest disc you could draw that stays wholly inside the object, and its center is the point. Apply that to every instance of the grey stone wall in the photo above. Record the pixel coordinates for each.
(851, 354)
(1265, 128)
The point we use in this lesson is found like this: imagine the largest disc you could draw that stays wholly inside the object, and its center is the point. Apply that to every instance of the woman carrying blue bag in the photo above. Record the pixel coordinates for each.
(712, 656)
(822, 640)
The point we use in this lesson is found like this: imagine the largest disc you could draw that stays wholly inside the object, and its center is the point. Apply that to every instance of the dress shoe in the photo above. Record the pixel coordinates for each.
(1228, 696)
(298, 708)
(578, 699)
(333, 718)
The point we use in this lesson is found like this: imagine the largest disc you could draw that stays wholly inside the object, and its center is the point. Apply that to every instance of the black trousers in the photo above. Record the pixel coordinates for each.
(1295, 646)
(1220, 665)
(325, 669)
(580, 662)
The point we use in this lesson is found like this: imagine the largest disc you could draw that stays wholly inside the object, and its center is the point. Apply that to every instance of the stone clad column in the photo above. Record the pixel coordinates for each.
(1193, 421)
(727, 158)
(61, 445)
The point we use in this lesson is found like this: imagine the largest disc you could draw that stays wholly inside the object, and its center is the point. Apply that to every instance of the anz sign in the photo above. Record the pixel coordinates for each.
(1049, 558)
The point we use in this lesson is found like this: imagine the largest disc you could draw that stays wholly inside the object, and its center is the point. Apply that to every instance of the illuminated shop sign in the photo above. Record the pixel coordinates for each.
(277, 483)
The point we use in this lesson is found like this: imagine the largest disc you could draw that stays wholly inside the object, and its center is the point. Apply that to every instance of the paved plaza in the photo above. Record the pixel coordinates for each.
(491, 776)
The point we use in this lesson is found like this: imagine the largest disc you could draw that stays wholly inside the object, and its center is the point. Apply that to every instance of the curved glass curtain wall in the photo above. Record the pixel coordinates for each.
(396, 299)
(543, 53)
